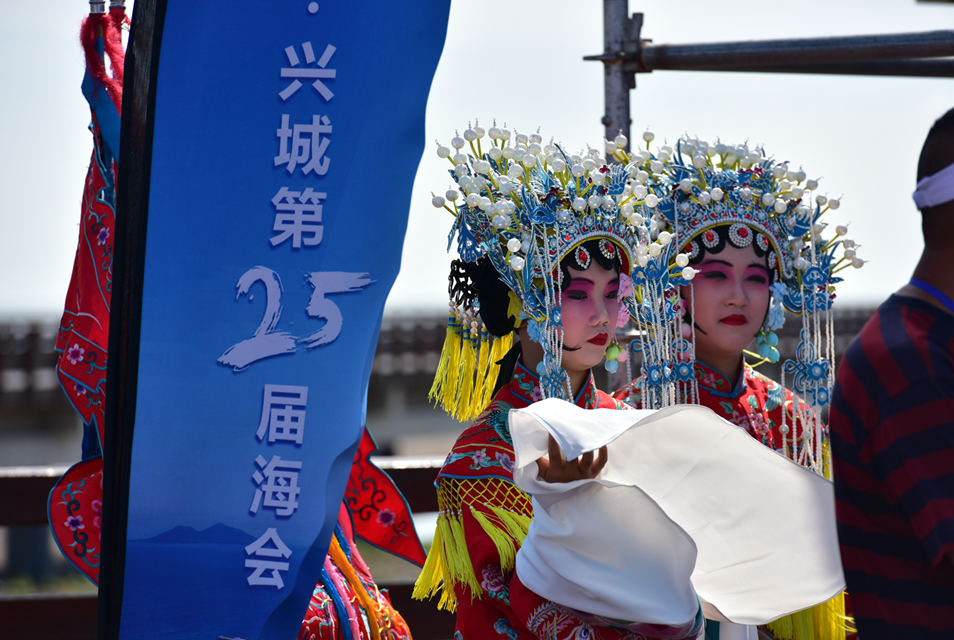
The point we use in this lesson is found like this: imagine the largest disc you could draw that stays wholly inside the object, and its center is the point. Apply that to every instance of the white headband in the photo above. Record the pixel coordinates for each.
(936, 189)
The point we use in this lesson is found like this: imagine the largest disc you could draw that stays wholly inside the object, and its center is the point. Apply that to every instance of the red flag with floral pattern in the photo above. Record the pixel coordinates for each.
(76, 501)
(381, 515)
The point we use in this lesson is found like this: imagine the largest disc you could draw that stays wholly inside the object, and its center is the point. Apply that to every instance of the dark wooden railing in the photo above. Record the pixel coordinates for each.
(23, 499)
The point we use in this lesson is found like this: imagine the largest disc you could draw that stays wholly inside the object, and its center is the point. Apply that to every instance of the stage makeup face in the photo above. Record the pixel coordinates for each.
(731, 298)
(589, 310)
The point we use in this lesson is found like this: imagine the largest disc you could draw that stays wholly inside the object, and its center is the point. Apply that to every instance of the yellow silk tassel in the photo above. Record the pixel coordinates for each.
(517, 525)
(830, 619)
(826, 458)
(507, 530)
(782, 629)
(826, 621)
(448, 398)
(465, 379)
(504, 543)
(439, 386)
(804, 625)
(448, 564)
(431, 578)
(480, 384)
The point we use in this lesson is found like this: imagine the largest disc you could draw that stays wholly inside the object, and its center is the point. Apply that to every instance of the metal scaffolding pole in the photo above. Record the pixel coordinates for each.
(620, 40)
(928, 55)
(797, 51)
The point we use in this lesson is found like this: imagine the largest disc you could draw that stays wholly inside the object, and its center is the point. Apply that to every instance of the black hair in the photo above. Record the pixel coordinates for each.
(480, 282)
(722, 233)
(592, 247)
(937, 153)
(938, 150)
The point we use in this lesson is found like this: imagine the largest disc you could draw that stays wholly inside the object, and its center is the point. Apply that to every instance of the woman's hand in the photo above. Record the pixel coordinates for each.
(559, 469)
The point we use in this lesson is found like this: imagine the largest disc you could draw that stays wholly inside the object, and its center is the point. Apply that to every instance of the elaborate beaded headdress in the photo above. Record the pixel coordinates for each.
(525, 206)
(682, 195)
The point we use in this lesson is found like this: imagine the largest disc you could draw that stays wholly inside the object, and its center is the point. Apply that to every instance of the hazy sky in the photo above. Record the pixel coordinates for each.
(520, 61)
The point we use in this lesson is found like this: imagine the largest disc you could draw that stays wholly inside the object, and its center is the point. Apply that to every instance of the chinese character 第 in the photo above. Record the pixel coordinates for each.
(259, 549)
(295, 148)
(319, 73)
(280, 491)
(298, 216)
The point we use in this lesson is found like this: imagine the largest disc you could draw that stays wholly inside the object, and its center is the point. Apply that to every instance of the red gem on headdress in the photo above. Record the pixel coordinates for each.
(710, 236)
(744, 232)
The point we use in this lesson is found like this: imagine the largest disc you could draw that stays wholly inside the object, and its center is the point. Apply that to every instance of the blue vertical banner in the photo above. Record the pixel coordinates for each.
(285, 139)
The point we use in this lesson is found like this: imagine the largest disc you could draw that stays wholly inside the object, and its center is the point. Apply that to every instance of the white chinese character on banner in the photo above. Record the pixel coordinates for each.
(298, 216)
(280, 418)
(320, 73)
(259, 548)
(304, 150)
(280, 491)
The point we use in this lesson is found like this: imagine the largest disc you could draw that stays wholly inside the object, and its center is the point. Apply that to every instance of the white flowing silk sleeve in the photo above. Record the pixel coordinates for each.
(687, 504)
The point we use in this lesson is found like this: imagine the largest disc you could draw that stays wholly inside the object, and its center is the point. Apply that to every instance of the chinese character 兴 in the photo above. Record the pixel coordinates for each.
(319, 73)
(280, 489)
(294, 148)
(298, 216)
(270, 545)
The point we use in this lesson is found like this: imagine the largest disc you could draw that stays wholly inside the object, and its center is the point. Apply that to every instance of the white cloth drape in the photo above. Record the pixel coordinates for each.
(688, 504)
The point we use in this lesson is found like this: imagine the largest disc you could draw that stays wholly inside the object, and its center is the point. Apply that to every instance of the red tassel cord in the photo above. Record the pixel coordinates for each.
(114, 44)
(109, 28)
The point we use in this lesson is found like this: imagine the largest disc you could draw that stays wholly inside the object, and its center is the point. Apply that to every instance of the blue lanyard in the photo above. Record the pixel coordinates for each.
(924, 286)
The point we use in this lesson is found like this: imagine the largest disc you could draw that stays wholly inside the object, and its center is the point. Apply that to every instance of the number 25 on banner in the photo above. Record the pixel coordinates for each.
(267, 342)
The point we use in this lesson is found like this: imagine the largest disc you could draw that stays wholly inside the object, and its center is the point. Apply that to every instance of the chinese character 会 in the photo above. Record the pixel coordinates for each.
(260, 548)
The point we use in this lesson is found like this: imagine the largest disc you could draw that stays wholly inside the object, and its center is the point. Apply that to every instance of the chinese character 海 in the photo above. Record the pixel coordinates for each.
(319, 73)
(258, 548)
(280, 417)
(280, 491)
(304, 150)
(298, 216)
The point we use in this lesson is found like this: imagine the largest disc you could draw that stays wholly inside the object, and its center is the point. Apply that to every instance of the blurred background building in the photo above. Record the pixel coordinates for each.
(39, 427)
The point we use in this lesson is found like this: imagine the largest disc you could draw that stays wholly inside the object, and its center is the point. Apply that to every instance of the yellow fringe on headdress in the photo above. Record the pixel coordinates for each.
(467, 371)
(826, 621)
(480, 385)
(463, 397)
(448, 562)
(448, 368)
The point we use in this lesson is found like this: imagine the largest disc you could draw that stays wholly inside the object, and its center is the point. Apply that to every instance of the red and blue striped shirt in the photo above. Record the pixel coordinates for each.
(892, 441)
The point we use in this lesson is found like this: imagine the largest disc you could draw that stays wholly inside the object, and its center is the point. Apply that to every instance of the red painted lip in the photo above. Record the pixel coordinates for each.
(734, 321)
(600, 339)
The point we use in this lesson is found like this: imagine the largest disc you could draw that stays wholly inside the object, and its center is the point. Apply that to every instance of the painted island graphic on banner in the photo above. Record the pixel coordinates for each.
(286, 139)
